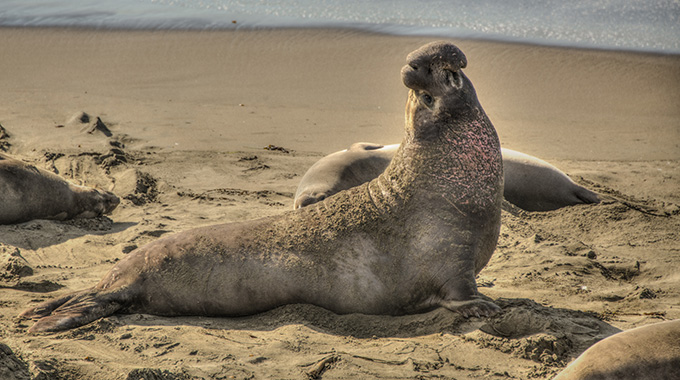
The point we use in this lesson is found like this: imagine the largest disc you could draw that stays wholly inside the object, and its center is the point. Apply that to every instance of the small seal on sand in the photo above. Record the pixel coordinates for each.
(530, 183)
(343, 170)
(31, 193)
(409, 241)
(645, 353)
(534, 185)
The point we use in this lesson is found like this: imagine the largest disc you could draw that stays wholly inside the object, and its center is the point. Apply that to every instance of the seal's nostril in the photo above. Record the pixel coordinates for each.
(413, 66)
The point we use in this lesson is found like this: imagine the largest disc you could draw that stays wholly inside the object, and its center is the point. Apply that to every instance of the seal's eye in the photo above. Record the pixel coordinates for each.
(427, 99)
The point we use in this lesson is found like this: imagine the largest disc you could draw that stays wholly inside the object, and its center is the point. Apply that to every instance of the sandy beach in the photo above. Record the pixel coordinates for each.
(187, 117)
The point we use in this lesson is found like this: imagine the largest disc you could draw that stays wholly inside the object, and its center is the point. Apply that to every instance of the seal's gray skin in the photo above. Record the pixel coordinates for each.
(28, 193)
(342, 170)
(645, 353)
(534, 185)
(530, 183)
(411, 240)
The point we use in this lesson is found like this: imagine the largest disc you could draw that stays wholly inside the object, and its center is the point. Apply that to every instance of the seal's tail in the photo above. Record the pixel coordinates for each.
(73, 310)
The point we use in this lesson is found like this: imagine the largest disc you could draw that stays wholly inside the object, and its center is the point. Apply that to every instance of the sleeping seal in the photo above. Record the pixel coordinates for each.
(410, 240)
(645, 353)
(31, 193)
(530, 183)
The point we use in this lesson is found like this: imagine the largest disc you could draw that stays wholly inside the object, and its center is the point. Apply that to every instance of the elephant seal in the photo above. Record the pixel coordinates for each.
(409, 241)
(343, 170)
(534, 185)
(530, 183)
(31, 193)
(645, 353)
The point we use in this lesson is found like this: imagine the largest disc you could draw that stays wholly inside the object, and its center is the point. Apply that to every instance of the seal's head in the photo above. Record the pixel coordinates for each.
(309, 198)
(95, 202)
(109, 201)
(450, 142)
(440, 93)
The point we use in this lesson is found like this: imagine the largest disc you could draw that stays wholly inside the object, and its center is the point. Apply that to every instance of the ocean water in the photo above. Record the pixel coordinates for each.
(634, 25)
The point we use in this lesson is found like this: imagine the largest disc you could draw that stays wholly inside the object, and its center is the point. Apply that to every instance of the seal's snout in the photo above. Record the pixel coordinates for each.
(411, 78)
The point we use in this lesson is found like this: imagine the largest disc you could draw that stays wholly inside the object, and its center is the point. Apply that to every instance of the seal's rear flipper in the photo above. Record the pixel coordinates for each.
(587, 196)
(71, 311)
(475, 307)
(45, 308)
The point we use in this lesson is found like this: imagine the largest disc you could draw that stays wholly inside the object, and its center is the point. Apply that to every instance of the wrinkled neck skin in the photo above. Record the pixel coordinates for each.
(459, 171)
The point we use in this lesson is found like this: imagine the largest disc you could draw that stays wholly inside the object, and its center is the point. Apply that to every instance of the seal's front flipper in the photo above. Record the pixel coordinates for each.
(71, 311)
(475, 307)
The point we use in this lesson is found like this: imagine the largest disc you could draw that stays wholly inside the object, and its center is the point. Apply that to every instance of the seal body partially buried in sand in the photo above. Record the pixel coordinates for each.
(411, 240)
(27, 193)
(645, 353)
(530, 183)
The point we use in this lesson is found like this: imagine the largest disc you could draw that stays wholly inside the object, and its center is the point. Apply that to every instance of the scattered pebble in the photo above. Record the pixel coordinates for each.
(274, 147)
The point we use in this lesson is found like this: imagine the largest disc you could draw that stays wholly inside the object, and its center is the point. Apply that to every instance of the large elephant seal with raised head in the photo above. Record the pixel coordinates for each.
(530, 183)
(28, 193)
(409, 241)
(645, 353)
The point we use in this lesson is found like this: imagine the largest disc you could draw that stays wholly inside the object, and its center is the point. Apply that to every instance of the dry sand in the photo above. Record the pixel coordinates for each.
(189, 114)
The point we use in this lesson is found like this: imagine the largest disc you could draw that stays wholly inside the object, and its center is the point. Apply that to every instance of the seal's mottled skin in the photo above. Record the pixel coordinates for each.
(645, 353)
(411, 240)
(530, 183)
(28, 193)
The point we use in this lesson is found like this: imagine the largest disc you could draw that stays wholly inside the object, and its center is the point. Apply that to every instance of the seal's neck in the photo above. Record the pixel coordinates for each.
(461, 169)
